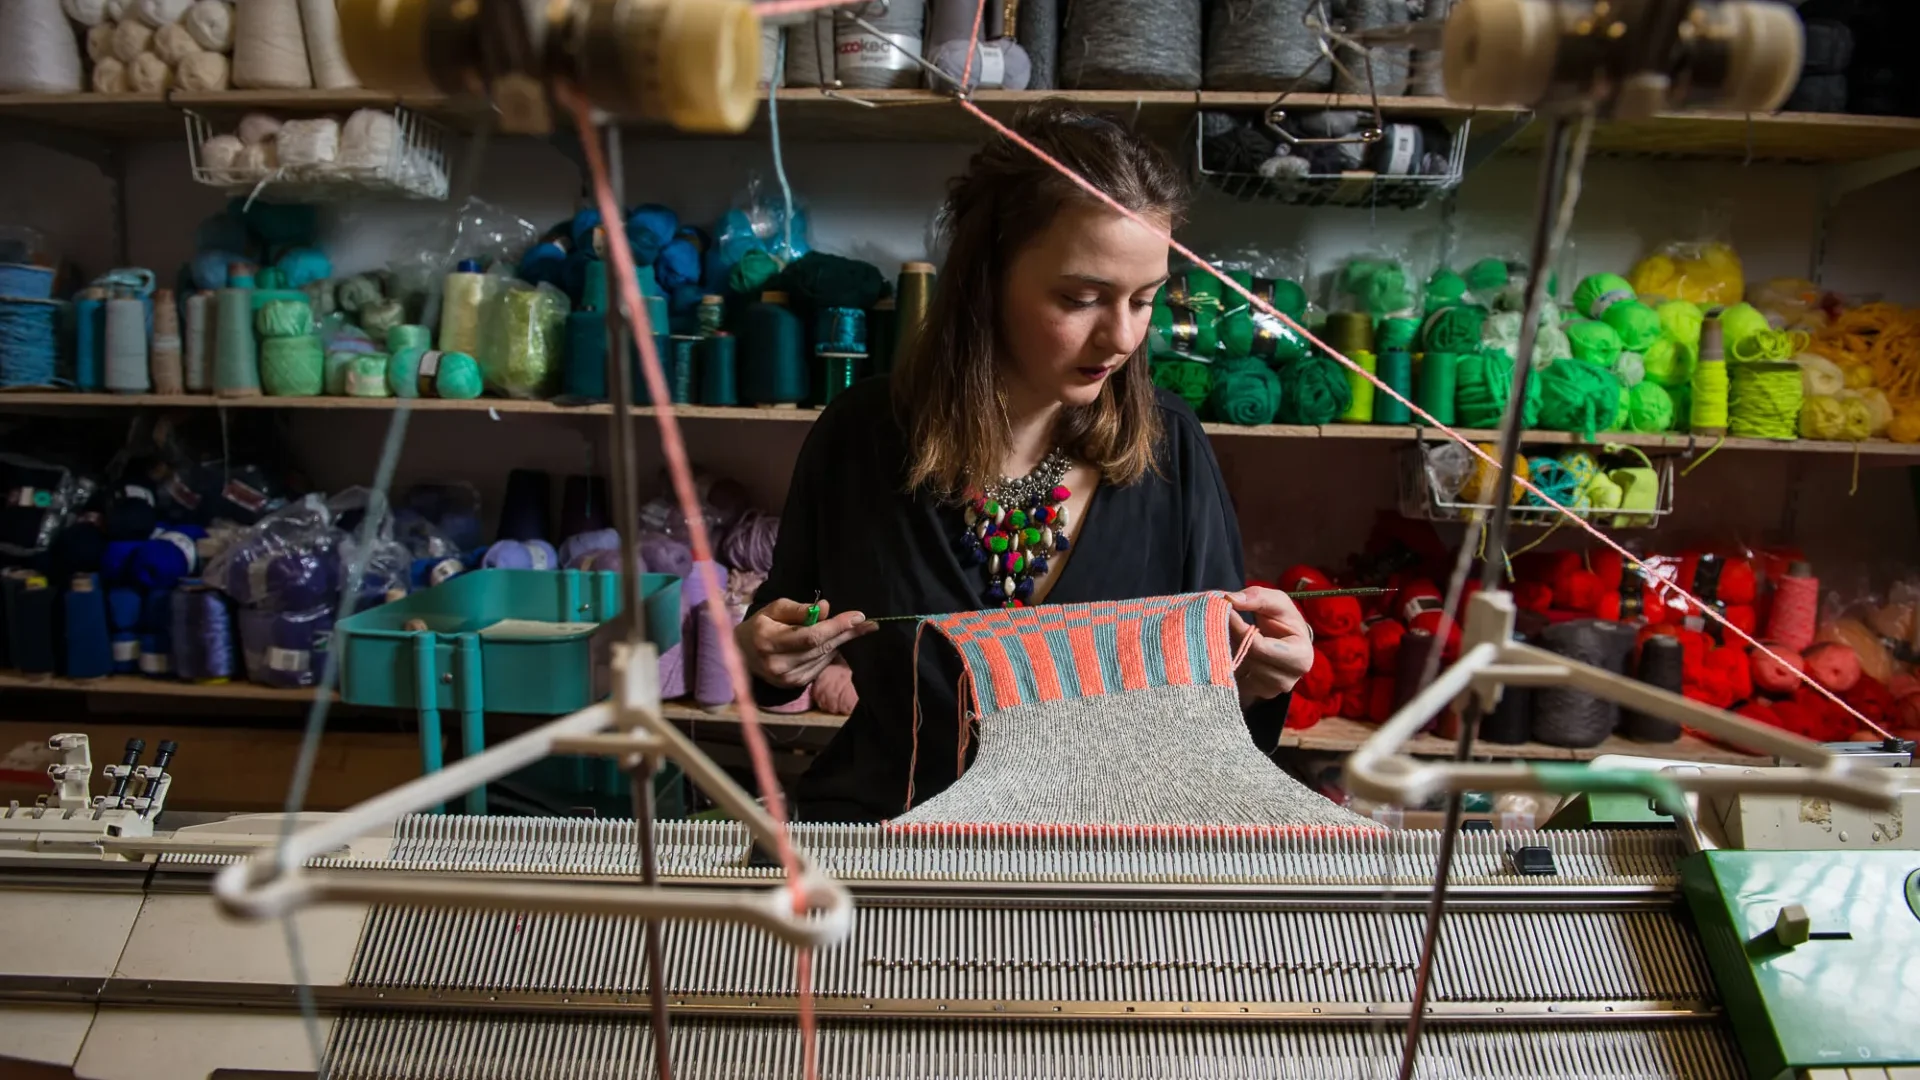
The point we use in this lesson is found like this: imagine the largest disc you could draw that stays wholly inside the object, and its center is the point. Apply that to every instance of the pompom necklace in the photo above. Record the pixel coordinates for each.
(1014, 526)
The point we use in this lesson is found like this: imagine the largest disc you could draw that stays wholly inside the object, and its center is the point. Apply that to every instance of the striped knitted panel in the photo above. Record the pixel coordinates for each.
(1025, 656)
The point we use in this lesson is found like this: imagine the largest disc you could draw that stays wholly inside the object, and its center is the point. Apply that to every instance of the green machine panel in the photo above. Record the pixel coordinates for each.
(1839, 989)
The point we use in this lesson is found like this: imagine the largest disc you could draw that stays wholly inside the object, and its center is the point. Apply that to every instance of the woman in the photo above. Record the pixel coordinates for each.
(1031, 366)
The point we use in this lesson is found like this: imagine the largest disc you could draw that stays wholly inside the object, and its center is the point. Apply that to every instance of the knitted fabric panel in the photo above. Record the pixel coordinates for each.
(1121, 713)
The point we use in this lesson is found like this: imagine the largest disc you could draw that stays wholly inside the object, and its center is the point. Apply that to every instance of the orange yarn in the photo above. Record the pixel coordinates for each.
(1884, 338)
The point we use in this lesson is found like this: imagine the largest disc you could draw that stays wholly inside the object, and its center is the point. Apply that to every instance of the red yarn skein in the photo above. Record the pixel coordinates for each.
(1831, 722)
(1420, 608)
(1383, 642)
(1834, 666)
(1349, 654)
(1380, 698)
(1303, 712)
(1738, 583)
(1533, 596)
(1774, 676)
(1329, 616)
(1871, 699)
(1353, 701)
(1317, 683)
(1760, 710)
(1732, 663)
(1905, 717)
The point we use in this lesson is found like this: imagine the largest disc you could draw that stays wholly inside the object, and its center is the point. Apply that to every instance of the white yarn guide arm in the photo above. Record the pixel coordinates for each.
(275, 882)
(1490, 659)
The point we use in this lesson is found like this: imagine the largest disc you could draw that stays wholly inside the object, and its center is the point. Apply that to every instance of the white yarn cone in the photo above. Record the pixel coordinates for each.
(322, 24)
(211, 24)
(269, 47)
(38, 51)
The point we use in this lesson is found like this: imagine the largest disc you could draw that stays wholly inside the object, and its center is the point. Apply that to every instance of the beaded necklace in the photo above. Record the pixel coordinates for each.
(1014, 526)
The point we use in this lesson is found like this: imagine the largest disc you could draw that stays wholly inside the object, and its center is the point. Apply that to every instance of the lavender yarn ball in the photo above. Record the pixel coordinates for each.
(665, 555)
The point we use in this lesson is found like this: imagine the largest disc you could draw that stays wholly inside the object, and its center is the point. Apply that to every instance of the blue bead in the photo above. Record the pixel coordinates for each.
(1060, 542)
(1038, 567)
(972, 557)
(1024, 590)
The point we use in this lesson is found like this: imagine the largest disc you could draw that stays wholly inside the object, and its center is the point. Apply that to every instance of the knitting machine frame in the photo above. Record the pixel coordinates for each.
(1490, 660)
(416, 167)
(1358, 189)
(1421, 498)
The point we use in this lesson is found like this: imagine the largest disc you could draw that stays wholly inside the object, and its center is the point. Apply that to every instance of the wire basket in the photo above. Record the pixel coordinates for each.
(414, 167)
(1361, 189)
(1424, 486)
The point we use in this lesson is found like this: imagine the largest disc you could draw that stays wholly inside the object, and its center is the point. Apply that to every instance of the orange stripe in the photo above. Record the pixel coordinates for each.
(1086, 661)
(1006, 689)
(1219, 647)
(1133, 663)
(1045, 679)
(1173, 648)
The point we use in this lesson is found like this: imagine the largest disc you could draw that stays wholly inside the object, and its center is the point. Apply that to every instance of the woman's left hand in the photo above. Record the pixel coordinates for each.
(1284, 650)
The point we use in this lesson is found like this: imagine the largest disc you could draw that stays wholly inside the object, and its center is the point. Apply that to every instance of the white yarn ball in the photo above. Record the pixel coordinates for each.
(307, 144)
(148, 74)
(159, 13)
(173, 43)
(256, 128)
(211, 24)
(367, 139)
(131, 38)
(100, 42)
(204, 73)
(109, 77)
(87, 13)
(117, 9)
(269, 47)
(258, 160)
(220, 156)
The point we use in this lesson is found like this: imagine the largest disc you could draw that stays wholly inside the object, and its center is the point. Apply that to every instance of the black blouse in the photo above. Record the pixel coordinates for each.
(851, 533)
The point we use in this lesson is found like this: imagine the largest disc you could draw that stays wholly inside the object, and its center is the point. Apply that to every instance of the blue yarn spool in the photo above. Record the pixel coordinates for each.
(89, 653)
(719, 383)
(21, 281)
(840, 330)
(1396, 370)
(683, 370)
(203, 647)
(773, 353)
(29, 339)
(89, 342)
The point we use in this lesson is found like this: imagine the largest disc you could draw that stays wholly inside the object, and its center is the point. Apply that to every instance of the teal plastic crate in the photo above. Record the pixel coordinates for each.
(504, 641)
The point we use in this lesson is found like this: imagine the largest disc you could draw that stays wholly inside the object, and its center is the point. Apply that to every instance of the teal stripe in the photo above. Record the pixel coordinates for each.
(1153, 657)
(1022, 664)
(1062, 651)
(1197, 659)
(1106, 643)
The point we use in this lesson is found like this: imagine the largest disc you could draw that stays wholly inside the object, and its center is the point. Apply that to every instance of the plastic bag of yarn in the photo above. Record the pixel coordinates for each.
(285, 648)
(1245, 391)
(1376, 284)
(1190, 380)
(757, 221)
(1794, 303)
(522, 329)
(1708, 273)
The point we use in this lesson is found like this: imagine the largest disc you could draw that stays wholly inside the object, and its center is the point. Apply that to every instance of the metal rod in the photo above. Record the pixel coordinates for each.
(641, 775)
(1553, 178)
(622, 454)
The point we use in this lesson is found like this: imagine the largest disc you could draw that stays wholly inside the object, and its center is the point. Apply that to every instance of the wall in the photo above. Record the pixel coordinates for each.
(875, 201)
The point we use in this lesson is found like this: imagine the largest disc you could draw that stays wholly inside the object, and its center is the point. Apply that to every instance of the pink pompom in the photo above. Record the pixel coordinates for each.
(1833, 666)
(833, 691)
(1777, 676)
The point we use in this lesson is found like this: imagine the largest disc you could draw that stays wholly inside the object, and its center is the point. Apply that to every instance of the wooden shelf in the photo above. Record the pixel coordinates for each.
(38, 400)
(1343, 736)
(927, 116)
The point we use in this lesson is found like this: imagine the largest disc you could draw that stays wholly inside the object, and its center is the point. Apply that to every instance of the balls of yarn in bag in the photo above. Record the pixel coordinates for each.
(1600, 290)
(1245, 392)
(1579, 397)
(130, 40)
(1313, 390)
(1445, 288)
(1189, 380)
(1594, 342)
(665, 555)
(1487, 275)
(1483, 384)
(293, 366)
(284, 319)
(1649, 408)
(521, 342)
(1455, 329)
(1667, 362)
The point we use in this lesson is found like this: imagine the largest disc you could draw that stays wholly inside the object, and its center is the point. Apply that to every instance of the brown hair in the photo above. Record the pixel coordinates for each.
(946, 392)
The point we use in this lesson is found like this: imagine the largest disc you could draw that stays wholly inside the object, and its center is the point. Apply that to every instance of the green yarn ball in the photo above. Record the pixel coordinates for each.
(1454, 329)
(1396, 333)
(751, 274)
(284, 319)
(1245, 392)
(1488, 275)
(1444, 289)
(367, 376)
(459, 377)
(1190, 380)
(1594, 342)
(1377, 285)
(1635, 322)
(1668, 362)
(293, 366)
(338, 364)
(1579, 397)
(381, 317)
(357, 292)
(1600, 290)
(1681, 320)
(1738, 322)
(1483, 384)
(1290, 299)
(1313, 390)
(1649, 408)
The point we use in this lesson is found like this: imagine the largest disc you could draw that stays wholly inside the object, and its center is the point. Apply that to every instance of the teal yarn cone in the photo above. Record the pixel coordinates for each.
(1245, 392)
(407, 336)
(236, 356)
(584, 371)
(293, 366)
(403, 373)
(683, 370)
(1313, 390)
(719, 379)
(773, 346)
(1396, 370)
(1396, 333)
(1437, 386)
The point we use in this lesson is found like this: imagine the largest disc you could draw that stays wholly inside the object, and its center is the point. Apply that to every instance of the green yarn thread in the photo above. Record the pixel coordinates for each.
(1190, 380)
(1360, 389)
(409, 337)
(293, 366)
(1764, 400)
(1438, 386)
(1600, 290)
(284, 319)
(1649, 408)
(1594, 342)
(1245, 392)
(403, 372)
(1579, 397)
(1455, 329)
(1483, 384)
(1313, 390)
(459, 377)
(1396, 370)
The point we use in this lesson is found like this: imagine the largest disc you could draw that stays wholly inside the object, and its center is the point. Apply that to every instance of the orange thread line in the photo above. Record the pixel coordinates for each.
(1246, 646)
(973, 45)
(675, 452)
(1381, 385)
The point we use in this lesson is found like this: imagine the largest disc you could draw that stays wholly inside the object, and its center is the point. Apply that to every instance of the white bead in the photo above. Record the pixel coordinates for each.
(972, 517)
(980, 530)
(999, 514)
(1046, 538)
(1060, 516)
(1007, 585)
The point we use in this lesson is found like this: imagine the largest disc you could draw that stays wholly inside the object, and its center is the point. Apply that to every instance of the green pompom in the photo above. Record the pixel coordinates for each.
(1245, 392)
(1594, 342)
(1017, 519)
(1601, 291)
(997, 544)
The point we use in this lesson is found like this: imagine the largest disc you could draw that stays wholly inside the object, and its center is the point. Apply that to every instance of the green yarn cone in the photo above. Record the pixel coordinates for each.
(293, 366)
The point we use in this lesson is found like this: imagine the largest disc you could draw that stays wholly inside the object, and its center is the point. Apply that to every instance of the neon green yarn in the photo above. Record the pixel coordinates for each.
(1668, 362)
(1764, 400)
(1635, 322)
(1738, 322)
(1594, 342)
(1681, 320)
(1579, 397)
(1594, 289)
(1483, 383)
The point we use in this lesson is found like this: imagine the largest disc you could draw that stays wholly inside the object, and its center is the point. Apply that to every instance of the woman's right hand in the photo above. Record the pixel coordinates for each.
(783, 650)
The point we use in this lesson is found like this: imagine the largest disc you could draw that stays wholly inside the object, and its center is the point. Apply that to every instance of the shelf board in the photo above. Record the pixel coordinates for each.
(39, 400)
(929, 116)
(1339, 735)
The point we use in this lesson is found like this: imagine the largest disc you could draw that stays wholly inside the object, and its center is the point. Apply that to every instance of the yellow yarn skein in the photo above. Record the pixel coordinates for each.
(1479, 489)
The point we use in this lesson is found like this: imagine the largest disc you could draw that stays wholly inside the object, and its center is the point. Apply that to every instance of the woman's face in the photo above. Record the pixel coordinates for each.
(1076, 301)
